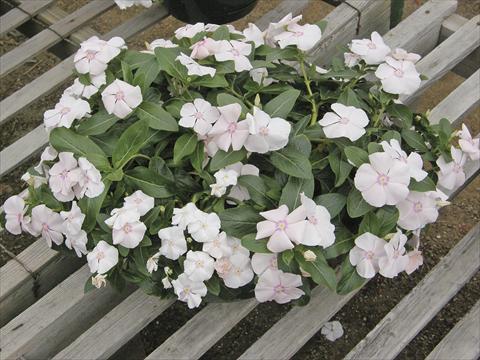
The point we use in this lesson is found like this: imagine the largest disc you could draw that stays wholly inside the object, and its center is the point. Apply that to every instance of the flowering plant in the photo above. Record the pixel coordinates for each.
(222, 165)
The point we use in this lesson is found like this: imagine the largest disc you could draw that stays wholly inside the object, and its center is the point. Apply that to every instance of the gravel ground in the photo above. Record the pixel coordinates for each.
(372, 303)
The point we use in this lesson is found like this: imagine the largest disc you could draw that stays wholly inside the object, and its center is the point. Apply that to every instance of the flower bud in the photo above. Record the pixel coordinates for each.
(389, 236)
(99, 280)
(304, 273)
(309, 255)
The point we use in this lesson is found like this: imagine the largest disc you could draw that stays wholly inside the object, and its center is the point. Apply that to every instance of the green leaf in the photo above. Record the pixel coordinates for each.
(256, 246)
(126, 72)
(349, 98)
(91, 207)
(356, 155)
(414, 139)
(292, 190)
(302, 144)
(226, 99)
(322, 24)
(356, 205)
(88, 285)
(344, 242)
(147, 73)
(369, 224)
(99, 123)
(222, 158)
(340, 168)
(240, 220)
(349, 278)
(137, 59)
(156, 117)
(130, 143)
(374, 147)
(281, 105)
(198, 157)
(287, 256)
(387, 218)
(146, 180)
(63, 139)
(184, 146)
(217, 81)
(257, 189)
(167, 60)
(334, 202)
(292, 162)
(392, 134)
(213, 285)
(425, 185)
(401, 112)
(319, 269)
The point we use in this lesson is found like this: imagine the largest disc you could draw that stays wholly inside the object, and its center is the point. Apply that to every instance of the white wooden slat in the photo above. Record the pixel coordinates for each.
(463, 341)
(52, 35)
(459, 102)
(59, 74)
(21, 14)
(415, 310)
(116, 328)
(448, 54)
(57, 318)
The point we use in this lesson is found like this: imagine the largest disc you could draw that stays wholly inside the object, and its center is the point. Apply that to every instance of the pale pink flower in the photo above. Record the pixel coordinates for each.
(266, 133)
(469, 145)
(253, 34)
(278, 286)
(351, 59)
(236, 51)
(90, 182)
(415, 260)
(198, 265)
(332, 330)
(173, 242)
(304, 37)
(239, 271)
(64, 175)
(205, 227)
(226, 177)
(124, 4)
(260, 76)
(15, 209)
(319, 231)
(228, 130)
(73, 219)
(281, 228)
(120, 98)
(263, 262)
(277, 28)
(395, 260)
(372, 51)
(79, 90)
(189, 291)
(48, 154)
(66, 111)
(413, 161)
(102, 258)
(152, 262)
(34, 180)
(194, 68)
(218, 247)
(189, 30)
(239, 192)
(46, 223)
(128, 230)
(186, 215)
(366, 254)
(140, 202)
(203, 48)
(403, 55)
(452, 174)
(398, 77)
(383, 181)
(199, 115)
(158, 43)
(417, 210)
(94, 54)
(77, 241)
(345, 121)
(236, 246)
(218, 190)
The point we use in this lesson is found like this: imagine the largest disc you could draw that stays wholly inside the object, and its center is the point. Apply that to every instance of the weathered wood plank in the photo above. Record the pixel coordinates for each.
(52, 35)
(21, 14)
(116, 328)
(59, 74)
(463, 341)
(470, 64)
(57, 318)
(203, 330)
(280, 11)
(459, 102)
(448, 54)
(415, 310)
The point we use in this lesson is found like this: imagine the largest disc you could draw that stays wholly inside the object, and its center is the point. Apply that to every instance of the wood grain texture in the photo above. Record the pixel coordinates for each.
(415, 310)
(21, 14)
(57, 318)
(116, 328)
(448, 54)
(463, 341)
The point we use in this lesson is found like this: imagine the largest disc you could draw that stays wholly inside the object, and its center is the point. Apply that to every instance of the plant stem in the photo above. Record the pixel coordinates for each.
(311, 98)
(233, 92)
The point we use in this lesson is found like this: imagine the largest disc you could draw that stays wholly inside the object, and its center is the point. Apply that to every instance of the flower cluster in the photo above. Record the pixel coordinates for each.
(221, 164)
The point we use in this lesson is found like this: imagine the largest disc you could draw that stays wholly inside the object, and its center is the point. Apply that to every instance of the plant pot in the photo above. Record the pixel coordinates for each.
(209, 11)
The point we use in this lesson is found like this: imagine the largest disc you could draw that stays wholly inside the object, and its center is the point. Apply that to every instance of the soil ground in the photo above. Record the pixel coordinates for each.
(369, 306)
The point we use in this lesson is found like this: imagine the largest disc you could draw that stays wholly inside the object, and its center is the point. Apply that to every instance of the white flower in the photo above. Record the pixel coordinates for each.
(66, 111)
(117, 214)
(15, 209)
(236, 51)
(366, 254)
(189, 30)
(94, 54)
(345, 121)
(260, 76)
(214, 27)
(186, 215)
(123, 4)
(194, 68)
(120, 98)
(239, 271)
(198, 266)
(415, 260)
(398, 77)
(77, 241)
(173, 242)
(199, 115)
(205, 228)
(140, 202)
(372, 51)
(158, 43)
(417, 210)
(332, 330)
(189, 291)
(78, 89)
(166, 282)
(413, 161)
(102, 258)
(304, 37)
(262, 262)
(469, 145)
(384, 181)
(218, 190)
(402, 55)
(152, 263)
(218, 247)
(128, 230)
(236, 246)
(351, 59)
(203, 48)
(226, 177)
(253, 34)
(228, 130)
(48, 154)
(34, 180)
(99, 281)
(266, 133)
(278, 286)
(90, 182)
(46, 223)
(395, 260)
(239, 192)
(452, 174)
(277, 28)
(64, 175)
(73, 219)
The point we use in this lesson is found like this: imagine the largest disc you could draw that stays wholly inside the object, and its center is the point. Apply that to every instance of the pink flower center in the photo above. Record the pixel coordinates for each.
(273, 263)
(65, 110)
(457, 168)
(396, 254)
(232, 127)
(417, 207)
(119, 95)
(235, 52)
(199, 264)
(263, 131)
(281, 225)
(298, 33)
(127, 228)
(313, 220)
(398, 73)
(64, 174)
(198, 115)
(100, 255)
(344, 120)
(371, 45)
(91, 54)
(45, 227)
(279, 288)
(382, 179)
(138, 201)
(369, 255)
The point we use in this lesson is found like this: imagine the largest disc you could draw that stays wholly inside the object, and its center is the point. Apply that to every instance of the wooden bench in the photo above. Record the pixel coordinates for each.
(45, 314)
